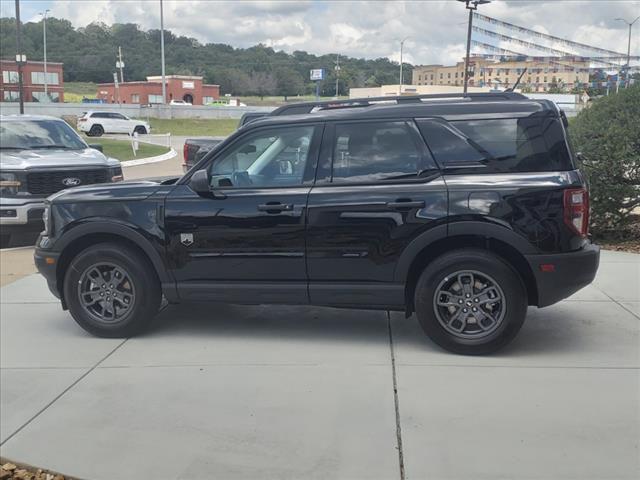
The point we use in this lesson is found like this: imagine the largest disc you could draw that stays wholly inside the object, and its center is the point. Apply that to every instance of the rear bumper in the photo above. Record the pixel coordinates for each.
(571, 272)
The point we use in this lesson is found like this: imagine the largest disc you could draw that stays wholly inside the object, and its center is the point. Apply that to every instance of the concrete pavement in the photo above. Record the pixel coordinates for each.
(299, 392)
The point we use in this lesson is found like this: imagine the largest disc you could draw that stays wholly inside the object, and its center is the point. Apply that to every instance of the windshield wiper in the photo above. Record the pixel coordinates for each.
(33, 147)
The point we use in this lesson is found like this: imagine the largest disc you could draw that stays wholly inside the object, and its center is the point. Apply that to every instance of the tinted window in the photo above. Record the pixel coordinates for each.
(268, 158)
(530, 144)
(370, 152)
(99, 115)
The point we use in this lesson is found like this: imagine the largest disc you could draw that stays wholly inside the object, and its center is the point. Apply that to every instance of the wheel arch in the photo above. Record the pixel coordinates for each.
(92, 233)
(498, 240)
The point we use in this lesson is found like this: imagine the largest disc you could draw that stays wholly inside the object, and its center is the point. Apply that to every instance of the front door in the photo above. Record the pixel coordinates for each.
(246, 241)
(378, 188)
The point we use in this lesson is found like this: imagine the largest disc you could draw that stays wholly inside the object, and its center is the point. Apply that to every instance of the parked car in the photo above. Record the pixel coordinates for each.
(180, 102)
(465, 210)
(94, 124)
(40, 156)
(196, 148)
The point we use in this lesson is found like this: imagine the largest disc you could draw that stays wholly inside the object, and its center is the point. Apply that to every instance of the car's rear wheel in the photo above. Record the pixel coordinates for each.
(96, 131)
(112, 290)
(140, 130)
(470, 302)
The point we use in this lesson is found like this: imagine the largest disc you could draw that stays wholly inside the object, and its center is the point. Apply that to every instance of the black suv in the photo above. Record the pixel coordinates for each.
(462, 209)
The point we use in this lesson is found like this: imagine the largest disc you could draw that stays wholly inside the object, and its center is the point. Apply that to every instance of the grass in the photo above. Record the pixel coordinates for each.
(122, 150)
(196, 127)
(74, 92)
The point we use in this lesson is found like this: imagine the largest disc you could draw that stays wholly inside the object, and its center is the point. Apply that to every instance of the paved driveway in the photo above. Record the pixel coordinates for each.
(289, 392)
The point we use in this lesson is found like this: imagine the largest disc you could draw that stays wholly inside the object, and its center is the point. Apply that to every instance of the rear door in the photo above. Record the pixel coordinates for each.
(377, 188)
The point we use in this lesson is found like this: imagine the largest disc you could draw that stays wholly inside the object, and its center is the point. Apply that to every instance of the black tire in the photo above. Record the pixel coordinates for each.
(140, 130)
(96, 131)
(144, 285)
(487, 268)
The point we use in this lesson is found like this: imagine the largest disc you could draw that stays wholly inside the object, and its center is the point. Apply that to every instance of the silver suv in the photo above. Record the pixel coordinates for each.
(40, 156)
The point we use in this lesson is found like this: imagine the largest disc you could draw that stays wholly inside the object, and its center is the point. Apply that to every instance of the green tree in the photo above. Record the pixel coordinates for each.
(608, 136)
(288, 82)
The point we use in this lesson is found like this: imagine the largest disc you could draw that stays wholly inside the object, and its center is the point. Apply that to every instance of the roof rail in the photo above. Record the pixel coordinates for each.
(308, 107)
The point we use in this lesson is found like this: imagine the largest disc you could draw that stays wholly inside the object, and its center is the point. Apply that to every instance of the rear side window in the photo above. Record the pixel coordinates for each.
(371, 152)
(99, 115)
(530, 144)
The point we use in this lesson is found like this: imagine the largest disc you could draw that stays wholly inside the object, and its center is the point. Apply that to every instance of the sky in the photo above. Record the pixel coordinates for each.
(436, 29)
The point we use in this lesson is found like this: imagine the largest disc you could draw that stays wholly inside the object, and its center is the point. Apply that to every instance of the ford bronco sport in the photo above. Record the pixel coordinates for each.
(462, 209)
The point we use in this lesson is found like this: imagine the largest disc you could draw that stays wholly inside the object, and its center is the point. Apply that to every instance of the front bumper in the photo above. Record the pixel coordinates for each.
(47, 264)
(570, 272)
(21, 214)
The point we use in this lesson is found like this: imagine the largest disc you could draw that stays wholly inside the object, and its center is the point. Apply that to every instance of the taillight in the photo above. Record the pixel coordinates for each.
(576, 210)
(185, 151)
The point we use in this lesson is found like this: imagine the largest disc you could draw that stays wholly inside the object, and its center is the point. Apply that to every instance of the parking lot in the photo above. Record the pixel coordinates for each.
(295, 392)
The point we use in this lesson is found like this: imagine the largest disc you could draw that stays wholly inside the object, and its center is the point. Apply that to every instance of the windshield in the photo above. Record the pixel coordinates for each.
(39, 134)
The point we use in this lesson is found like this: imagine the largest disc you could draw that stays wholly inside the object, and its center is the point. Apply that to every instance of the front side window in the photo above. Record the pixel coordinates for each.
(39, 134)
(372, 152)
(275, 157)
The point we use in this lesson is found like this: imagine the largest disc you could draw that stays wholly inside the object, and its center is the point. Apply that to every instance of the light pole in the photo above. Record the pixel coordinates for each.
(21, 59)
(471, 5)
(401, 50)
(628, 44)
(44, 35)
(337, 69)
(164, 86)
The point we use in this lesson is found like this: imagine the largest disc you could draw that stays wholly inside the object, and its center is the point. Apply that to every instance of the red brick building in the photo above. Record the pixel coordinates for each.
(179, 87)
(33, 79)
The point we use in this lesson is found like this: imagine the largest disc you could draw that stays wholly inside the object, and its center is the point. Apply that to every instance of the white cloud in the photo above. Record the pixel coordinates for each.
(371, 29)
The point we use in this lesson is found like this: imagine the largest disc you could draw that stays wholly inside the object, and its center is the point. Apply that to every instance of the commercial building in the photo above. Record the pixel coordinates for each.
(33, 78)
(542, 74)
(186, 88)
(392, 90)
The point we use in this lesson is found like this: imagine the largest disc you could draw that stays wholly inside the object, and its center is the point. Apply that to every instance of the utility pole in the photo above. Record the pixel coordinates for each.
(20, 58)
(337, 69)
(401, 62)
(164, 86)
(628, 69)
(120, 64)
(472, 6)
(44, 34)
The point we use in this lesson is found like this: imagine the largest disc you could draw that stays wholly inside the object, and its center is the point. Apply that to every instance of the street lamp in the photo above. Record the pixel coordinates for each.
(401, 49)
(471, 5)
(164, 85)
(44, 34)
(629, 44)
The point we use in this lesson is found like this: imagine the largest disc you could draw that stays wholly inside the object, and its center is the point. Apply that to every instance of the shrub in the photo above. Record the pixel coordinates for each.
(608, 136)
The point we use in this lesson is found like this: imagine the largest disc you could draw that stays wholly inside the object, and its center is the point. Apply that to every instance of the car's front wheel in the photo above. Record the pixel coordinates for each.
(470, 302)
(112, 290)
(96, 131)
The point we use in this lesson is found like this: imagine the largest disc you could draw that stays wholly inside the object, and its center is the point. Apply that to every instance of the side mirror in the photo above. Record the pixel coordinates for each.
(96, 146)
(199, 183)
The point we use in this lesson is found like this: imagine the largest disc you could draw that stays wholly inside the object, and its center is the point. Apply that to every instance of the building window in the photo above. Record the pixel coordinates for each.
(37, 78)
(46, 97)
(537, 79)
(208, 100)
(155, 99)
(432, 76)
(456, 74)
(10, 96)
(545, 79)
(440, 76)
(9, 76)
(135, 98)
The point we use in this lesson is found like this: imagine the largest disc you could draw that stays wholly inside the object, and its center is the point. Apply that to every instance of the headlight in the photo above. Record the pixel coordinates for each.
(115, 174)
(46, 218)
(9, 184)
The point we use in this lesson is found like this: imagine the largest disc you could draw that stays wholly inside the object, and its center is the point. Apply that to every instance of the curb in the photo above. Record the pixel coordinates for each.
(144, 161)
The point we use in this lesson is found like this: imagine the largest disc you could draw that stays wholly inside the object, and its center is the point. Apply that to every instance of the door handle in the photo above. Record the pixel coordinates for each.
(275, 207)
(406, 204)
